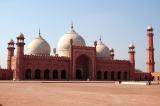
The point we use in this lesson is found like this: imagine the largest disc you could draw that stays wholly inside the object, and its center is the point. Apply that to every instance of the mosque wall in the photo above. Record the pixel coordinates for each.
(113, 70)
(6, 74)
(142, 76)
(47, 64)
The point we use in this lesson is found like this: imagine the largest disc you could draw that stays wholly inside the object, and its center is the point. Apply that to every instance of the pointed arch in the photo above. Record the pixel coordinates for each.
(55, 74)
(83, 67)
(119, 75)
(99, 75)
(46, 74)
(37, 74)
(63, 74)
(106, 75)
(28, 74)
(112, 75)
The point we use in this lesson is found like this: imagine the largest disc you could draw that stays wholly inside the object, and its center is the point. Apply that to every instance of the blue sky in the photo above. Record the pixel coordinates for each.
(119, 22)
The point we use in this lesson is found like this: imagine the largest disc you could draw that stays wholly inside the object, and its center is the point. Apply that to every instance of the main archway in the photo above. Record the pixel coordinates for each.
(83, 67)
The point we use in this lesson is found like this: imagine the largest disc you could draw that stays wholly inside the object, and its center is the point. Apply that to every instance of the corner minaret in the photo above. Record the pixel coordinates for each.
(10, 53)
(150, 50)
(131, 53)
(18, 74)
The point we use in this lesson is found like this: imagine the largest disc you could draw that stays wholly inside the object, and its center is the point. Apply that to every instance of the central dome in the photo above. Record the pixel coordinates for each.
(38, 46)
(64, 42)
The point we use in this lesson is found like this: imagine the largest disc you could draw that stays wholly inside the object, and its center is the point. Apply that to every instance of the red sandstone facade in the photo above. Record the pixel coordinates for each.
(82, 64)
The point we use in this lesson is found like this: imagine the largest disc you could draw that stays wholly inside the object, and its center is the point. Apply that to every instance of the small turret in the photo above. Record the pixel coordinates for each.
(95, 43)
(131, 53)
(55, 52)
(10, 53)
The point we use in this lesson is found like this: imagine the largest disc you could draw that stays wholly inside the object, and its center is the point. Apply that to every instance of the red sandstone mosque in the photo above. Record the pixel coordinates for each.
(73, 60)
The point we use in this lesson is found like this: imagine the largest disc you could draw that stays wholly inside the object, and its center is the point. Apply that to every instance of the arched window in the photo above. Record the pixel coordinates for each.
(119, 75)
(106, 75)
(112, 75)
(46, 74)
(99, 75)
(28, 74)
(63, 74)
(125, 75)
(55, 74)
(37, 74)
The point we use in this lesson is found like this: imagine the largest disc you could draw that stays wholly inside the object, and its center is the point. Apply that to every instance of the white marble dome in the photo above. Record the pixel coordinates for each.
(38, 46)
(102, 50)
(64, 42)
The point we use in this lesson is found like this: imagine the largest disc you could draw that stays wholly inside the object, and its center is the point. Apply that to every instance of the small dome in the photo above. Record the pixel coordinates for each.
(11, 41)
(131, 45)
(20, 35)
(102, 50)
(149, 28)
(38, 46)
(111, 49)
(64, 42)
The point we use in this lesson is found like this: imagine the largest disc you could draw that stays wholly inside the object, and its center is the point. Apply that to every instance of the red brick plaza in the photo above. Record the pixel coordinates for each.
(33, 93)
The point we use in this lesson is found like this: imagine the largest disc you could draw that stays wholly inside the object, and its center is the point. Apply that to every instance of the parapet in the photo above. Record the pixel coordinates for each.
(45, 57)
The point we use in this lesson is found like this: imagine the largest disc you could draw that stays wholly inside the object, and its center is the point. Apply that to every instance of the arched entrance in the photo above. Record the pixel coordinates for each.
(28, 74)
(63, 74)
(119, 75)
(55, 74)
(112, 75)
(99, 75)
(37, 74)
(83, 68)
(46, 74)
(106, 75)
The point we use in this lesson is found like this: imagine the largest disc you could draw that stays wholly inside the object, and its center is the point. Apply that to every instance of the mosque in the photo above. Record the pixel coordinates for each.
(74, 60)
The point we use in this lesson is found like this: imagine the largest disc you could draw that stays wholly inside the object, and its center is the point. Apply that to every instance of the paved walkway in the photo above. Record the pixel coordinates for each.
(54, 93)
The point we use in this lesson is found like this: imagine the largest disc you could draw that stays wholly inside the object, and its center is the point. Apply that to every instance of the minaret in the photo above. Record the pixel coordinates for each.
(131, 54)
(111, 50)
(10, 53)
(18, 75)
(150, 50)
